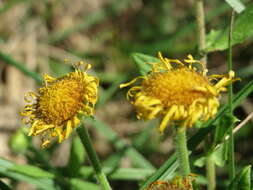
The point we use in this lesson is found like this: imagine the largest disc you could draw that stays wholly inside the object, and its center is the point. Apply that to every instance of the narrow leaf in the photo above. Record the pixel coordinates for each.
(5, 163)
(141, 61)
(32, 171)
(217, 40)
(134, 174)
(77, 184)
(20, 66)
(45, 184)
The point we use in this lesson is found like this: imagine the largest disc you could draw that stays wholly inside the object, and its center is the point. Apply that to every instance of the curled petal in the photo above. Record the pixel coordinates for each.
(180, 93)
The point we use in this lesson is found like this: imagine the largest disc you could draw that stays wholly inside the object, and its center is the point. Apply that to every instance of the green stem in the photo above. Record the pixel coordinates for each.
(182, 151)
(210, 164)
(200, 18)
(86, 141)
(230, 104)
(210, 168)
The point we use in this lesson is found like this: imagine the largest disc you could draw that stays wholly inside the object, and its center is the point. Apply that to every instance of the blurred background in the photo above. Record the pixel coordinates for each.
(104, 33)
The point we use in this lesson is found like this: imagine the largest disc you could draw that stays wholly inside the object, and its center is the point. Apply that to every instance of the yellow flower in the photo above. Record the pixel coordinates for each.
(55, 109)
(178, 183)
(178, 92)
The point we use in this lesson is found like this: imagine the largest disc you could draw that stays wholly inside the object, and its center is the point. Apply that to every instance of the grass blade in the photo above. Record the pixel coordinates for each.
(20, 66)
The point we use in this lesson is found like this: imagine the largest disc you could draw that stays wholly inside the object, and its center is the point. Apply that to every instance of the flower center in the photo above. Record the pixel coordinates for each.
(176, 87)
(60, 101)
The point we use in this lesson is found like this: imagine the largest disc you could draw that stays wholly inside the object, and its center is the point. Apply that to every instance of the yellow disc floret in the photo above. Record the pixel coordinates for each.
(60, 101)
(178, 92)
(175, 87)
(55, 109)
(177, 183)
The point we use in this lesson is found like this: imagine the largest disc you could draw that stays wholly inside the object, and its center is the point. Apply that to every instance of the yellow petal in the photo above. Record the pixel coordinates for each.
(30, 96)
(45, 143)
(131, 82)
(166, 118)
(68, 129)
(58, 130)
(48, 78)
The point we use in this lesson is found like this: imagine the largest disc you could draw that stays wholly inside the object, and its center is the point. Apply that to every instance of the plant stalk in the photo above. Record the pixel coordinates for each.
(231, 159)
(200, 18)
(210, 169)
(210, 164)
(181, 150)
(86, 141)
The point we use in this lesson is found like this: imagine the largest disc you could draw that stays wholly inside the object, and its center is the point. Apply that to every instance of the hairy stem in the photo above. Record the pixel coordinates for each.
(181, 150)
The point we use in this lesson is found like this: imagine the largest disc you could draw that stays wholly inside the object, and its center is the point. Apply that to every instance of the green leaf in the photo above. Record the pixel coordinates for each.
(32, 171)
(20, 66)
(133, 174)
(242, 180)
(77, 184)
(217, 40)
(200, 162)
(5, 163)
(212, 37)
(45, 184)
(236, 5)
(223, 127)
(76, 159)
(141, 61)
(220, 155)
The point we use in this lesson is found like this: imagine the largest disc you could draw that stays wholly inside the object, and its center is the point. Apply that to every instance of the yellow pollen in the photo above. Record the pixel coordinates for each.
(56, 109)
(60, 101)
(176, 87)
(178, 93)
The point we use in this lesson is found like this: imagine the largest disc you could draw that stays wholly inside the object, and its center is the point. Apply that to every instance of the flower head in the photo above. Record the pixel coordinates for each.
(178, 183)
(179, 92)
(55, 109)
